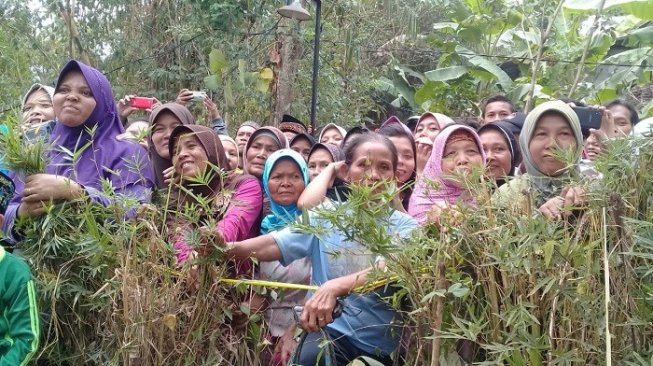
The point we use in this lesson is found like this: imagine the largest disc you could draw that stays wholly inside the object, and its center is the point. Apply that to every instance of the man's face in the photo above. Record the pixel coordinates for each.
(496, 111)
(242, 136)
(621, 116)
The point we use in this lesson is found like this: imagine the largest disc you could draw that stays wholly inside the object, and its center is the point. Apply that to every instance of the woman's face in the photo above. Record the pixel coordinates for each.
(302, 146)
(285, 183)
(332, 136)
(164, 123)
(38, 108)
(499, 160)
(257, 153)
(73, 102)
(428, 128)
(319, 159)
(460, 157)
(372, 163)
(190, 158)
(406, 158)
(231, 151)
(551, 132)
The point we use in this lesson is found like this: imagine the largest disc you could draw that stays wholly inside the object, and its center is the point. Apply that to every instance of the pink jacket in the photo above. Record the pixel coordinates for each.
(240, 221)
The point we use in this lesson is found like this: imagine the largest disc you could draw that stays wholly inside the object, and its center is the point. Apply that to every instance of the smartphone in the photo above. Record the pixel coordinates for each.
(142, 102)
(590, 118)
(198, 96)
(7, 189)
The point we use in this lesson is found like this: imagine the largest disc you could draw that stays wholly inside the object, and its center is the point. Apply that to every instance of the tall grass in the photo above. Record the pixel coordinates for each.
(496, 287)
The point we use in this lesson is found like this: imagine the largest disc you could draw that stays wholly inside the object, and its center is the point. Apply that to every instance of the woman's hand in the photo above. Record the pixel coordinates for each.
(169, 176)
(318, 310)
(34, 209)
(424, 148)
(47, 187)
(211, 108)
(125, 107)
(286, 344)
(340, 170)
(561, 206)
(184, 97)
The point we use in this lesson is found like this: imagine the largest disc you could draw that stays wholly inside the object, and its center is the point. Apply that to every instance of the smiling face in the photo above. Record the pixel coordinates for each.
(242, 136)
(319, 159)
(371, 164)
(497, 151)
(302, 146)
(551, 132)
(427, 128)
(332, 136)
(461, 156)
(257, 153)
(406, 158)
(285, 183)
(190, 159)
(38, 108)
(164, 123)
(73, 101)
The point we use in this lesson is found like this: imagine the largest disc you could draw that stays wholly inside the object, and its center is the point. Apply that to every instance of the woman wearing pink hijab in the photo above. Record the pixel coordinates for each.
(457, 150)
(427, 129)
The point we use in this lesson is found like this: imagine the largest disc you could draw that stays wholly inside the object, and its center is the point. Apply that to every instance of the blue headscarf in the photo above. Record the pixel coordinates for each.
(281, 216)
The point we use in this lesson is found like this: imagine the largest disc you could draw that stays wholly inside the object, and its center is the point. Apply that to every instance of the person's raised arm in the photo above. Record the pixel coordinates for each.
(316, 191)
(264, 248)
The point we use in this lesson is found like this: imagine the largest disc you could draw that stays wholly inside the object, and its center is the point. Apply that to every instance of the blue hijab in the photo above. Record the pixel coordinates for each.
(281, 216)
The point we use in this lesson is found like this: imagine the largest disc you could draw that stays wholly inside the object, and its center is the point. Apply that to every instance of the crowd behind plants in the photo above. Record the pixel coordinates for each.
(478, 189)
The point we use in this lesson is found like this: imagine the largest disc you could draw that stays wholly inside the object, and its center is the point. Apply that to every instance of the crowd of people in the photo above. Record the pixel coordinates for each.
(262, 181)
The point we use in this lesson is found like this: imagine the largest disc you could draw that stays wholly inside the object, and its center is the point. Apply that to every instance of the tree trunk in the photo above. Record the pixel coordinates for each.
(290, 50)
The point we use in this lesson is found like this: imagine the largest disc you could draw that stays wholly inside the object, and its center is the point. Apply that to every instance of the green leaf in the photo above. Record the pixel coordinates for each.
(430, 295)
(446, 73)
(548, 251)
(405, 91)
(217, 61)
(448, 27)
(212, 82)
(639, 37)
(242, 70)
(429, 91)
(228, 94)
(642, 9)
(458, 290)
(486, 65)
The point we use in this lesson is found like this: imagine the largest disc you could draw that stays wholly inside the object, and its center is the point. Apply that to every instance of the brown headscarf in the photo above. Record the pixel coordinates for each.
(158, 163)
(214, 152)
(272, 132)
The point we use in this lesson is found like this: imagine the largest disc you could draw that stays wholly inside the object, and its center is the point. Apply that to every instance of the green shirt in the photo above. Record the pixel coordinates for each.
(19, 318)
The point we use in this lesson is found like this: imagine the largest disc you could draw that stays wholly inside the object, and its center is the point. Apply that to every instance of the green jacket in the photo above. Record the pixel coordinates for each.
(19, 318)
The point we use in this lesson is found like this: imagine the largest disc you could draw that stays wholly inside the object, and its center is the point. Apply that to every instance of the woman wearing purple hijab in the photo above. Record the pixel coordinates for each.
(87, 124)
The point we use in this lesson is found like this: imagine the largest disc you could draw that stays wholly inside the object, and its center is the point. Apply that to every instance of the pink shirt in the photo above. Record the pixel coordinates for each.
(240, 221)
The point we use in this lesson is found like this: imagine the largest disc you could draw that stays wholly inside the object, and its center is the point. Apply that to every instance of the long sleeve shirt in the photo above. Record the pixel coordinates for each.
(19, 325)
(240, 220)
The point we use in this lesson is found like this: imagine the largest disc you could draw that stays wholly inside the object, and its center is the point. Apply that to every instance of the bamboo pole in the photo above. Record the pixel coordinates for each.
(590, 35)
(540, 53)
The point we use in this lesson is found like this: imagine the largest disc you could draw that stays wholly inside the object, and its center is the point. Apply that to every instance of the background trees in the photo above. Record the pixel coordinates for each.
(378, 57)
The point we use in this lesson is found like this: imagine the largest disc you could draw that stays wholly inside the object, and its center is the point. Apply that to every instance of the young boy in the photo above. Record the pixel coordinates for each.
(19, 317)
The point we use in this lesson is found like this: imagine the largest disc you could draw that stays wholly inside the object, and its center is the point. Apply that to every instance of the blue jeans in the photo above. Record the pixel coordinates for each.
(344, 352)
